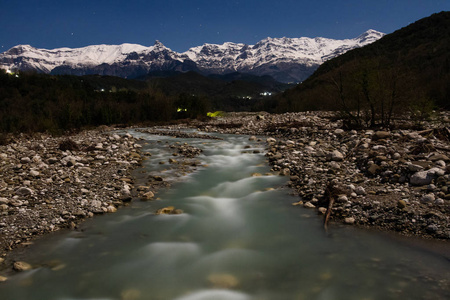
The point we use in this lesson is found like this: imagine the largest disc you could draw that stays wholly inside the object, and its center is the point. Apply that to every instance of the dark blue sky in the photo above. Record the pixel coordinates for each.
(186, 23)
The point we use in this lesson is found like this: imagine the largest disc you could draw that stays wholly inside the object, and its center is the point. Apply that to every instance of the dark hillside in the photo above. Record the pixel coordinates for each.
(408, 70)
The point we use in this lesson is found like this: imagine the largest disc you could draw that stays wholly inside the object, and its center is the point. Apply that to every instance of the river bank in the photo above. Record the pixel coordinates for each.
(49, 183)
(395, 180)
(390, 180)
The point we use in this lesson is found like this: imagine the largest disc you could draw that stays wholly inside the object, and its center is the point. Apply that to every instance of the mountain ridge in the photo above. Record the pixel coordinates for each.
(285, 59)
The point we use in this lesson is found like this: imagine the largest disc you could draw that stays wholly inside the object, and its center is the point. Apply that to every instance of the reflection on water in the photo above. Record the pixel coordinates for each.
(237, 239)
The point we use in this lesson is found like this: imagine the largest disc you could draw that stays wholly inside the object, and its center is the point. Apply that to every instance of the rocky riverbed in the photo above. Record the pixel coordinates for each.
(395, 180)
(51, 183)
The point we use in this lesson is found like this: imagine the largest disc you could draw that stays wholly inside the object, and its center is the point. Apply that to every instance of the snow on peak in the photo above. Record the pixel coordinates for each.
(211, 58)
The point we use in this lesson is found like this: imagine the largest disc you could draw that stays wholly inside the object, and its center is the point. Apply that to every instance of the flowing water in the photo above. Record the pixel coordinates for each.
(238, 239)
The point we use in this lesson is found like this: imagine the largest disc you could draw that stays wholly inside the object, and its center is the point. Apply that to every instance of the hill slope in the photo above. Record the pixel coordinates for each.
(408, 69)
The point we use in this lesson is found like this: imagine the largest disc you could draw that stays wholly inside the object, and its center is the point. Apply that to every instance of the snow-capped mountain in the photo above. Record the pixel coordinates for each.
(286, 59)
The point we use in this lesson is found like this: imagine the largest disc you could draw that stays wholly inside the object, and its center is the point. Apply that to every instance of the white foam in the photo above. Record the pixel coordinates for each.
(215, 295)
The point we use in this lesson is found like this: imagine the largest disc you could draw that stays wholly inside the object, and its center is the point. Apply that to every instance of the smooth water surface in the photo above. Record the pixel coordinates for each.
(238, 239)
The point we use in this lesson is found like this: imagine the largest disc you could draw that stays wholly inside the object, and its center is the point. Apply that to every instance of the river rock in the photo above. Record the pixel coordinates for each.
(149, 195)
(24, 191)
(428, 198)
(25, 160)
(309, 205)
(382, 135)
(3, 278)
(373, 169)
(349, 220)
(21, 266)
(111, 209)
(401, 204)
(415, 168)
(360, 191)
(421, 178)
(336, 156)
(438, 156)
(223, 281)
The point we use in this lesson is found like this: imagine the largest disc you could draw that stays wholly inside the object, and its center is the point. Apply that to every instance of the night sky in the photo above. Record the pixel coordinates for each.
(180, 25)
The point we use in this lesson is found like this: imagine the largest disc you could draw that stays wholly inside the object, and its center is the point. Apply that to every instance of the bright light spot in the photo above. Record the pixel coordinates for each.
(8, 71)
(181, 109)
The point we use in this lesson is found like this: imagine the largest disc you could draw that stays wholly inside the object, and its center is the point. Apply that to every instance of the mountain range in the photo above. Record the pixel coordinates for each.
(285, 59)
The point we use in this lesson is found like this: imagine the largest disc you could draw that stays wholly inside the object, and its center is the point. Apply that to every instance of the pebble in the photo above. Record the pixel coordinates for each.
(428, 198)
(349, 220)
(21, 266)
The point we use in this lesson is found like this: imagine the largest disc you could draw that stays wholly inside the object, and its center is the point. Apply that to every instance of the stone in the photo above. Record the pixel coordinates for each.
(379, 135)
(24, 191)
(170, 210)
(309, 205)
(336, 156)
(421, 178)
(428, 198)
(439, 201)
(415, 168)
(373, 169)
(25, 160)
(149, 195)
(438, 156)
(96, 203)
(34, 173)
(342, 199)
(111, 209)
(360, 191)
(4, 200)
(401, 204)
(3, 278)
(285, 172)
(21, 266)
(322, 210)
(349, 220)
(271, 140)
(252, 138)
(223, 281)
(338, 131)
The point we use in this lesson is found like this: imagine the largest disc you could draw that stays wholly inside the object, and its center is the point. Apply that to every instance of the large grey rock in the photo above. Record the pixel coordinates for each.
(426, 177)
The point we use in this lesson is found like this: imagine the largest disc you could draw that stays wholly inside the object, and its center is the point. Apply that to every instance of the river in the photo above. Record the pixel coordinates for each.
(239, 238)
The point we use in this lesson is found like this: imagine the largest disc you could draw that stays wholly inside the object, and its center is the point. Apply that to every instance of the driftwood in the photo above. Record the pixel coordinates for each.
(328, 212)
(331, 192)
